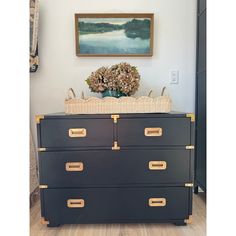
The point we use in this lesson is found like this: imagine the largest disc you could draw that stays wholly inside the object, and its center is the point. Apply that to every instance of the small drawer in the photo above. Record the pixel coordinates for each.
(143, 132)
(76, 133)
(108, 168)
(94, 205)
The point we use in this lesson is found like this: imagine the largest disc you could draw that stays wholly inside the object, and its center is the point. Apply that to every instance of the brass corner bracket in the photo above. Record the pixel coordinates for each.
(192, 116)
(190, 147)
(189, 220)
(188, 184)
(43, 186)
(115, 117)
(41, 149)
(43, 221)
(115, 146)
(38, 118)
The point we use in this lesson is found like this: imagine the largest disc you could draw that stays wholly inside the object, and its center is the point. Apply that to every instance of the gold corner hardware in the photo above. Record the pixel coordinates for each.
(189, 220)
(115, 147)
(41, 149)
(188, 184)
(156, 202)
(77, 132)
(154, 131)
(43, 186)
(74, 166)
(190, 147)
(192, 116)
(43, 221)
(157, 165)
(75, 203)
(38, 118)
(115, 117)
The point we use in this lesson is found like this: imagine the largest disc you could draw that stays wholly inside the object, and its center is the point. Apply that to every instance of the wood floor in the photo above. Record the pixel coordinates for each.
(197, 228)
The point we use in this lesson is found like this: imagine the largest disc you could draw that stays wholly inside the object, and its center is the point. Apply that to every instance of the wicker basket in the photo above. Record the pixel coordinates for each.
(108, 105)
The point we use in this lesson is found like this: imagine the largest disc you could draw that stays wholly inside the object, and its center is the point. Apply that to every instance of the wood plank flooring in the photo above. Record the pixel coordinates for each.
(197, 228)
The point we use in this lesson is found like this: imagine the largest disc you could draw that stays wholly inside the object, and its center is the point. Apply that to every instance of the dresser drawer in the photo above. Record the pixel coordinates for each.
(143, 132)
(94, 205)
(76, 133)
(97, 168)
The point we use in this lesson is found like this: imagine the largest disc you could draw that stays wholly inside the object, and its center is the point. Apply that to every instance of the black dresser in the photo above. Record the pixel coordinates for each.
(121, 168)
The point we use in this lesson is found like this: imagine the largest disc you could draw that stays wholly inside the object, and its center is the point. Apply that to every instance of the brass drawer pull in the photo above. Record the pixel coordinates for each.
(153, 132)
(157, 165)
(157, 202)
(77, 133)
(75, 203)
(74, 166)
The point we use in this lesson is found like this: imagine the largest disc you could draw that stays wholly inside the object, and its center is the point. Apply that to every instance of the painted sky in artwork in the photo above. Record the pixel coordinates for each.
(117, 21)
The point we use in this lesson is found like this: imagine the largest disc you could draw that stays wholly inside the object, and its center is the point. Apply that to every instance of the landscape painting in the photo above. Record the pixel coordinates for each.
(114, 34)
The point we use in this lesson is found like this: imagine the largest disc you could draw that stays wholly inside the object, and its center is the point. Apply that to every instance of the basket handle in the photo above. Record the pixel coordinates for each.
(150, 93)
(82, 95)
(71, 94)
(163, 90)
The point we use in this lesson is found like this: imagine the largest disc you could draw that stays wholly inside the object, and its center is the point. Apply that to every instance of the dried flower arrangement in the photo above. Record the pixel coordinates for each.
(121, 77)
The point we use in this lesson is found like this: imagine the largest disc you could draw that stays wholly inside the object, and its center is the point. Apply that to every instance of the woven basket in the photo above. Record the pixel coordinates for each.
(108, 105)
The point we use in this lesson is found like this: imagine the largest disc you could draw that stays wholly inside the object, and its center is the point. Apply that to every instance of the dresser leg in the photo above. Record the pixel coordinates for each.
(180, 223)
(53, 225)
(196, 189)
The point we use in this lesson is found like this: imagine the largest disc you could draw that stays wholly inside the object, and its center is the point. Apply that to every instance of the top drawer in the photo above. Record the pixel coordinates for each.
(154, 131)
(75, 132)
(61, 132)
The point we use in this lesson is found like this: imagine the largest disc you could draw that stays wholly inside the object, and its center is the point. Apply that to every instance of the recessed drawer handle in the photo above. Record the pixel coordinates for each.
(157, 165)
(75, 203)
(77, 132)
(157, 202)
(74, 166)
(153, 132)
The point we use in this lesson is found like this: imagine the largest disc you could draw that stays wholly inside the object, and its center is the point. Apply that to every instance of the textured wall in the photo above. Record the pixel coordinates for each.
(174, 48)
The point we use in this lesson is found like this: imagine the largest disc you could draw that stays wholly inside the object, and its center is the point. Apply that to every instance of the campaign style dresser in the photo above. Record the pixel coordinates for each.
(116, 168)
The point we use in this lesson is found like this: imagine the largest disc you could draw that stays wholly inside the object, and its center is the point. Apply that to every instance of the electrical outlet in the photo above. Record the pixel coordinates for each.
(174, 77)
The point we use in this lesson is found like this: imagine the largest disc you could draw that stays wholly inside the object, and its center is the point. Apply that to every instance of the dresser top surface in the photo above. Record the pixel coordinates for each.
(122, 115)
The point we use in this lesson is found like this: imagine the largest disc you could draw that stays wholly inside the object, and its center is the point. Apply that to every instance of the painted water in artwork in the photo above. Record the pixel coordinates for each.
(114, 35)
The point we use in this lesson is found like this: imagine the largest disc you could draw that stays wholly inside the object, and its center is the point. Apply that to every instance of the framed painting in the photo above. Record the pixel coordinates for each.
(114, 35)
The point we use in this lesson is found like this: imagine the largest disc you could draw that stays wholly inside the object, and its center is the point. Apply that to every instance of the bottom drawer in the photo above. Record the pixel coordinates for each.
(115, 205)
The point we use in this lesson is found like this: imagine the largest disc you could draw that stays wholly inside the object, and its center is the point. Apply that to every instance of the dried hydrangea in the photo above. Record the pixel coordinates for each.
(127, 77)
(97, 81)
(121, 77)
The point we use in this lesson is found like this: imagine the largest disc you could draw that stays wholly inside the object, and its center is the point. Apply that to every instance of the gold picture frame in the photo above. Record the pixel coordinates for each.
(114, 34)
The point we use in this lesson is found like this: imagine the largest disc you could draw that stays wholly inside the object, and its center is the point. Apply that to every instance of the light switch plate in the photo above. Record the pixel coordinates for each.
(174, 77)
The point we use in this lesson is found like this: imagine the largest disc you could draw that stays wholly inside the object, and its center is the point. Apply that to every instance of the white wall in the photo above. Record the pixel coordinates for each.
(174, 48)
